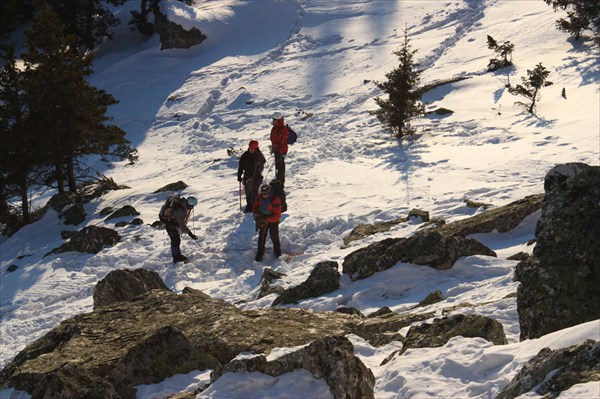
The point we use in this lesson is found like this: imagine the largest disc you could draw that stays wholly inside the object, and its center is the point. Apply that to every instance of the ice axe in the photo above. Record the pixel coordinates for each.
(240, 196)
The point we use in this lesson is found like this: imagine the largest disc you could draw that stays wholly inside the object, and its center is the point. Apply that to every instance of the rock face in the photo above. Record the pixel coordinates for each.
(179, 185)
(329, 358)
(127, 210)
(559, 282)
(569, 366)
(124, 285)
(324, 279)
(89, 240)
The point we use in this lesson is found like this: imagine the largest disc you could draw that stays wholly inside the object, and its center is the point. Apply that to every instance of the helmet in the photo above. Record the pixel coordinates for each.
(265, 189)
(253, 144)
(277, 115)
(192, 201)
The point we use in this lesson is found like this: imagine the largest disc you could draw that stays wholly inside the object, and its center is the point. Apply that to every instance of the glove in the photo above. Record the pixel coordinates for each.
(240, 178)
(193, 236)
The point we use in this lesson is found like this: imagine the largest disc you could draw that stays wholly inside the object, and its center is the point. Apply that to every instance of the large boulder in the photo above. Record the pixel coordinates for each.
(559, 282)
(124, 285)
(324, 279)
(428, 247)
(329, 358)
(437, 333)
(173, 35)
(89, 240)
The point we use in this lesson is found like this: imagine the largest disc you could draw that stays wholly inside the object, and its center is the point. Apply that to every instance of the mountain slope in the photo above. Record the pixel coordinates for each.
(315, 62)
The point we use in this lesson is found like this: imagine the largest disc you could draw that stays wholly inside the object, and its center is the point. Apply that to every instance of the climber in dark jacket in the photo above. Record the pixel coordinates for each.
(252, 163)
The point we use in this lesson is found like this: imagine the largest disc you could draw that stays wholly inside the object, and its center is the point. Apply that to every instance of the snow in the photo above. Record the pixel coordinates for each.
(183, 109)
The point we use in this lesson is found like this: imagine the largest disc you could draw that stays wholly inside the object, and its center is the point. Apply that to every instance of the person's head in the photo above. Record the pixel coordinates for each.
(253, 146)
(189, 203)
(277, 119)
(265, 190)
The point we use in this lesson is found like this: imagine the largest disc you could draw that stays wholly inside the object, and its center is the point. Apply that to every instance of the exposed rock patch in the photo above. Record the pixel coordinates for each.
(177, 186)
(173, 35)
(89, 240)
(125, 211)
(324, 279)
(559, 282)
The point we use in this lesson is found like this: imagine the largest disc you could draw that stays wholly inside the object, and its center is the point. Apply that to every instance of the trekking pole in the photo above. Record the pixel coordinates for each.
(240, 195)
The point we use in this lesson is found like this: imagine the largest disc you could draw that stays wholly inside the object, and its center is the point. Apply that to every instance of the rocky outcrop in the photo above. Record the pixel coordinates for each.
(559, 282)
(441, 330)
(266, 283)
(329, 358)
(89, 347)
(556, 371)
(124, 285)
(428, 247)
(324, 279)
(69, 206)
(173, 35)
(60, 201)
(89, 240)
(364, 230)
(96, 189)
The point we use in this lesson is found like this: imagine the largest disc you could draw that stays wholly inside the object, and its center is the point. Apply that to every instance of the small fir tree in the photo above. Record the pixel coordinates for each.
(404, 97)
(532, 84)
(503, 50)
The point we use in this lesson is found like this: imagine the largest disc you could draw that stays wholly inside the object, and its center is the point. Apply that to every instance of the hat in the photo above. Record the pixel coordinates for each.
(253, 144)
(265, 189)
(192, 201)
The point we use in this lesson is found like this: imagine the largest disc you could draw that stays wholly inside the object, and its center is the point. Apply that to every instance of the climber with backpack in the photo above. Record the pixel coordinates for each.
(251, 166)
(279, 145)
(267, 211)
(175, 213)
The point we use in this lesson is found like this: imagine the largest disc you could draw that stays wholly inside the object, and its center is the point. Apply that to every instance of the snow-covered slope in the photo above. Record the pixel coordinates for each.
(315, 61)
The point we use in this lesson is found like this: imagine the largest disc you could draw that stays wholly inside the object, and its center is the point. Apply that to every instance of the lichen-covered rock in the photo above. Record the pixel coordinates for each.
(419, 213)
(89, 240)
(428, 247)
(124, 285)
(432, 298)
(559, 282)
(324, 279)
(59, 201)
(266, 281)
(556, 371)
(441, 330)
(329, 358)
(364, 230)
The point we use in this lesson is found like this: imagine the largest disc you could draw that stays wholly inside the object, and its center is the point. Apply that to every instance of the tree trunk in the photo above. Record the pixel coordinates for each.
(24, 199)
(71, 175)
(4, 211)
(60, 181)
(533, 98)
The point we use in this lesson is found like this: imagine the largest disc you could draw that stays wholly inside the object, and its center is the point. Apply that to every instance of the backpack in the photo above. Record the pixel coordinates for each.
(165, 214)
(292, 135)
(277, 189)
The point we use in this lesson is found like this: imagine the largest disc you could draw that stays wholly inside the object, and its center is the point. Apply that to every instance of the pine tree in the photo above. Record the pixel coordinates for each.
(404, 97)
(532, 84)
(581, 15)
(17, 146)
(68, 115)
(503, 50)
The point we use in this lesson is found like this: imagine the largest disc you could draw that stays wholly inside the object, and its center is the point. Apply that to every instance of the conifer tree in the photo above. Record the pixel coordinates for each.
(18, 150)
(504, 50)
(532, 84)
(404, 97)
(581, 15)
(68, 115)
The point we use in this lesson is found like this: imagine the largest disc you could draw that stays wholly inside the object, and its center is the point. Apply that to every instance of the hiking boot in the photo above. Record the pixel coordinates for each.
(258, 258)
(248, 209)
(179, 258)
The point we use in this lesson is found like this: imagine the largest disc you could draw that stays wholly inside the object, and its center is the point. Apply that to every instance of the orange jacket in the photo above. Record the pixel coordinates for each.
(269, 207)
(279, 138)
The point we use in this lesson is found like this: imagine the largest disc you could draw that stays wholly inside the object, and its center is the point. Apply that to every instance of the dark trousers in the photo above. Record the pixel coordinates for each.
(280, 167)
(251, 190)
(273, 230)
(175, 241)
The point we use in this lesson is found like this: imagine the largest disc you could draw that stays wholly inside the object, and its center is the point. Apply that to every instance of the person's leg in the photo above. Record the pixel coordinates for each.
(175, 243)
(248, 189)
(262, 238)
(274, 233)
(280, 167)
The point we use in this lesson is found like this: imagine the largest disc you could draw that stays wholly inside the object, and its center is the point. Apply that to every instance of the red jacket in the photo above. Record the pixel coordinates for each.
(279, 138)
(269, 207)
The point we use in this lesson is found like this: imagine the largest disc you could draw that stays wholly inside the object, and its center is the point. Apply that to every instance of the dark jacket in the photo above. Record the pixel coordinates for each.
(251, 165)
